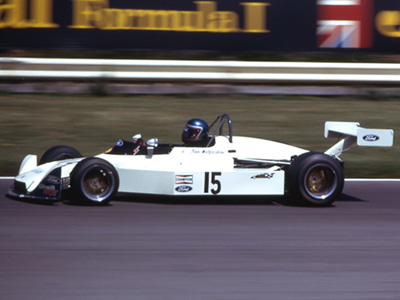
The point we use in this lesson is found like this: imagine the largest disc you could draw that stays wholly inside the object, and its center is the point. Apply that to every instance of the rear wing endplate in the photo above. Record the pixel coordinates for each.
(352, 133)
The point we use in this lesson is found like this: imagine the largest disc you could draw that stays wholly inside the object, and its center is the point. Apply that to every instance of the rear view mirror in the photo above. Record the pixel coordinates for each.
(151, 144)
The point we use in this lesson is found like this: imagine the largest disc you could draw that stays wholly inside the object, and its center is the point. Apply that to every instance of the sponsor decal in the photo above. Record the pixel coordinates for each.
(47, 187)
(183, 179)
(195, 151)
(136, 150)
(50, 187)
(183, 188)
(264, 175)
(50, 193)
(65, 182)
(370, 138)
(53, 179)
(48, 190)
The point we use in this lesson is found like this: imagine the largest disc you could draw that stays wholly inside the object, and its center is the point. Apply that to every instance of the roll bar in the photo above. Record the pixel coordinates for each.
(220, 128)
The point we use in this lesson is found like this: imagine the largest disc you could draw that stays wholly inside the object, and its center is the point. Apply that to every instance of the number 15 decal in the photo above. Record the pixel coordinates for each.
(214, 181)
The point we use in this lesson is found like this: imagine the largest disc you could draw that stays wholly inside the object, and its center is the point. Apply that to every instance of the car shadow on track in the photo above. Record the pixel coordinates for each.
(193, 200)
(221, 200)
(198, 200)
(349, 198)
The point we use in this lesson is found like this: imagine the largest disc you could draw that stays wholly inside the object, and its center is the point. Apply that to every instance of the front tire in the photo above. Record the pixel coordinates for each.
(95, 181)
(315, 179)
(59, 153)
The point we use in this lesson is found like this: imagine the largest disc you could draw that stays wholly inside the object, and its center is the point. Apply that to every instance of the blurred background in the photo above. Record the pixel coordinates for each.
(88, 72)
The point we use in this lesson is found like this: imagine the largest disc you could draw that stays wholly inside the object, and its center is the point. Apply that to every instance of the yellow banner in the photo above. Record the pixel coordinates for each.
(97, 14)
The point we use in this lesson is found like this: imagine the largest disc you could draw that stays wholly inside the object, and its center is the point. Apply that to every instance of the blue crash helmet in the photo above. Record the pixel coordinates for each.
(195, 131)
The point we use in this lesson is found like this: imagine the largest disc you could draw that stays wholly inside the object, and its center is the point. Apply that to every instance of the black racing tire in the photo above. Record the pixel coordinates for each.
(94, 181)
(315, 179)
(59, 153)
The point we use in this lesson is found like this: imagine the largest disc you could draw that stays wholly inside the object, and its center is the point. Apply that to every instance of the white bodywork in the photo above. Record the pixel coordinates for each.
(206, 170)
(184, 171)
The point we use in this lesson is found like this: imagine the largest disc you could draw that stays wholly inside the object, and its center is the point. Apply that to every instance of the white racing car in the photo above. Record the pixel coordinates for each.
(204, 165)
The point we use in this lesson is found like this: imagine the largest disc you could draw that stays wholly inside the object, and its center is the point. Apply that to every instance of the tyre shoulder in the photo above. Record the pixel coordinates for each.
(55, 152)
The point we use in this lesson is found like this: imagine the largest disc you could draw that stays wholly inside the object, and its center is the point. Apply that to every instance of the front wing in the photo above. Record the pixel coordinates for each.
(48, 189)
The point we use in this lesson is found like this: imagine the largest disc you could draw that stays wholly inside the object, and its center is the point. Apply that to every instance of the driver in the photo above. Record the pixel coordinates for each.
(195, 133)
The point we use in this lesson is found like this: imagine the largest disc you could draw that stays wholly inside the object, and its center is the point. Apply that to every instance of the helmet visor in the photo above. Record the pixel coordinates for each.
(192, 132)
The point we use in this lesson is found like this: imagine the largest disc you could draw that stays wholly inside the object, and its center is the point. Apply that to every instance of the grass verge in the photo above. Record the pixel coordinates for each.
(33, 123)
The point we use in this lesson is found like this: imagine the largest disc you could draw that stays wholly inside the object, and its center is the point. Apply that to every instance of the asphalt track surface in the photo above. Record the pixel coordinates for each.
(235, 248)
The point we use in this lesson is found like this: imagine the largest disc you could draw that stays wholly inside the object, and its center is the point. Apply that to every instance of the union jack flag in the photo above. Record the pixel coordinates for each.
(344, 23)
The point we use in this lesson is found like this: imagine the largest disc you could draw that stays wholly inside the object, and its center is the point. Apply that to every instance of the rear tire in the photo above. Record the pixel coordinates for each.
(94, 181)
(59, 153)
(315, 179)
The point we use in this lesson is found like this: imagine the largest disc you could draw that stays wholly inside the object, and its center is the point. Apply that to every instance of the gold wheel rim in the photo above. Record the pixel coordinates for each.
(97, 184)
(320, 182)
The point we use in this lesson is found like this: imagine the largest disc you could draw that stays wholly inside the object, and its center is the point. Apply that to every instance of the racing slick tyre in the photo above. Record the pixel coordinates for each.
(94, 181)
(315, 179)
(59, 153)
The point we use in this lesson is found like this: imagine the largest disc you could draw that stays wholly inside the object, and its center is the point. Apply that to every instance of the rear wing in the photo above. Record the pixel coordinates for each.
(351, 134)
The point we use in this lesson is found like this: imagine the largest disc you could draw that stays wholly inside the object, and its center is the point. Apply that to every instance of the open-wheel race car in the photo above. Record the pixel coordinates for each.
(207, 163)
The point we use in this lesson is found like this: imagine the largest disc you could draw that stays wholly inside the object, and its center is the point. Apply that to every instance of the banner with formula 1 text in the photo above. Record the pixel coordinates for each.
(229, 26)
(223, 25)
